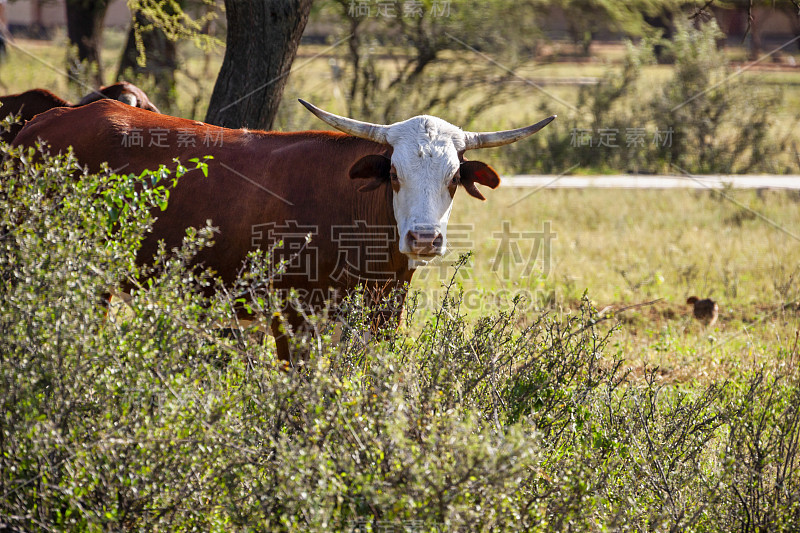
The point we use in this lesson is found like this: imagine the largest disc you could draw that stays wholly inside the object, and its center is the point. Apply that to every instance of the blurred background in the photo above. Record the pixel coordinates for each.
(645, 79)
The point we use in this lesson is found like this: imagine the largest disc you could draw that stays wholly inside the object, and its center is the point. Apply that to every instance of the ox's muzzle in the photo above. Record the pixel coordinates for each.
(425, 241)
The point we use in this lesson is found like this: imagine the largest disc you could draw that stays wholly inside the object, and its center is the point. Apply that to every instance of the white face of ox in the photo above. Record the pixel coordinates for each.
(425, 169)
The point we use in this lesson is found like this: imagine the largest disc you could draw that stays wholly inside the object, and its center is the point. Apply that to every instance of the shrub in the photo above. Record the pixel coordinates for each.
(151, 419)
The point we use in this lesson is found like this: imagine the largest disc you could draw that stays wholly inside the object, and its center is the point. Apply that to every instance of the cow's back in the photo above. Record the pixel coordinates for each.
(27, 105)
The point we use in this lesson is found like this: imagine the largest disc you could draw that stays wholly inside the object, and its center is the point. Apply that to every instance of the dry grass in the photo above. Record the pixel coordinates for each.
(628, 247)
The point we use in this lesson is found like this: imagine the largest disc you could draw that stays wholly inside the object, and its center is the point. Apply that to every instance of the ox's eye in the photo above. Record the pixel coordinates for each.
(393, 177)
(456, 179)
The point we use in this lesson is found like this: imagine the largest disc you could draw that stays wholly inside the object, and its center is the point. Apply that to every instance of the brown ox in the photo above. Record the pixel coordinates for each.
(376, 201)
(31, 103)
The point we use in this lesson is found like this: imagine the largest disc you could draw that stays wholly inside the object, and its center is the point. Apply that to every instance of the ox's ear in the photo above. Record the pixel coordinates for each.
(371, 167)
(473, 172)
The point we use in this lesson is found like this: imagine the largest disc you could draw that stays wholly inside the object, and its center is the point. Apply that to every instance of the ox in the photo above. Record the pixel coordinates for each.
(389, 186)
(31, 103)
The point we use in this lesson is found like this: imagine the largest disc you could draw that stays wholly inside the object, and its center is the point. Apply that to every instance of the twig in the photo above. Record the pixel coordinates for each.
(750, 20)
(701, 10)
(601, 318)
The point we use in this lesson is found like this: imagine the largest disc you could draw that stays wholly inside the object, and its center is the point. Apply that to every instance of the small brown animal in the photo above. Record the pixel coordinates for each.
(706, 310)
(31, 103)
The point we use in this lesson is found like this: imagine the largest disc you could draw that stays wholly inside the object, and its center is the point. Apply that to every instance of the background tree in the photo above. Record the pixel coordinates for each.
(157, 59)
(433, 56)
(85, 32)
(151, 58)
(755, 19)
(261, 44)
(587, 18)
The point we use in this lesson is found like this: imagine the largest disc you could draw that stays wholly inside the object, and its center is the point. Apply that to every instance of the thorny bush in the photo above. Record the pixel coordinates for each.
(146, 416)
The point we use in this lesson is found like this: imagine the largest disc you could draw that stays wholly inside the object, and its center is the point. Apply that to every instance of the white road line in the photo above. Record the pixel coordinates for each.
(626, 181)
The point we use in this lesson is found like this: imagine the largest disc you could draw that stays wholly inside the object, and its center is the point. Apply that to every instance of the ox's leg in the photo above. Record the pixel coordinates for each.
(281, 339)
(284, 328)
(387, 302)
(105, 304)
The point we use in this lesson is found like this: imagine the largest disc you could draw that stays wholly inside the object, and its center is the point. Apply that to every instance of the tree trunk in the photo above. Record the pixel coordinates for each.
(160, 61)
(756, 41)
(85, 30)
(262, 41)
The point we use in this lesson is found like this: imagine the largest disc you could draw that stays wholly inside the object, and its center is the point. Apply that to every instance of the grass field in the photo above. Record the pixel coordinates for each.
(626, 247)
(621, 247)
(41, 64)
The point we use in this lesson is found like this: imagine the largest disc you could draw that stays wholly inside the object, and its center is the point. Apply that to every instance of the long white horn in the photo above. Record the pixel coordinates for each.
(365, 130)
(476, 140)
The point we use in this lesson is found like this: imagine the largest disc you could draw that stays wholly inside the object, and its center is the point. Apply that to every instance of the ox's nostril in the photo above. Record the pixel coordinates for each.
(425, 241)
(424, 237)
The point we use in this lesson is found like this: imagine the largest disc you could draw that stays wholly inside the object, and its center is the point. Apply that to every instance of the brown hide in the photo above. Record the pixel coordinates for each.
(255, 179)
(31, 103)
(28, 105)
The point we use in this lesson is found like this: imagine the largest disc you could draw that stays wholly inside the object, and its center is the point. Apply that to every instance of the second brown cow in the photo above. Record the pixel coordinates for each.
(31, 103)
